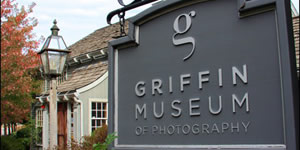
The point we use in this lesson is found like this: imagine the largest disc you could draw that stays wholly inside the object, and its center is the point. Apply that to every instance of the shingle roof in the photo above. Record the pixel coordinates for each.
(96, 40)
(296, 38)
(82, 76)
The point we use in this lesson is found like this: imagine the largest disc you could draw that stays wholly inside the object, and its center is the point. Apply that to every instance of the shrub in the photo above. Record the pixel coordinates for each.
(103, 146)
(24, 133)
(99, 135)
(11, 143)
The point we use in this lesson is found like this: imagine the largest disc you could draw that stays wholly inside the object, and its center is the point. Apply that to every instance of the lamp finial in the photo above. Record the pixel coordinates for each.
(54, 28)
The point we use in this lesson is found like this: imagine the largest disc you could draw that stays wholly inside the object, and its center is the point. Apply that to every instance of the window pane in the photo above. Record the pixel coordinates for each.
(104, 114)
(93, 114)
(99, 114)
(103, 122)
(39, 118)
(98, 106)
(39, 136)
(93, 105)
(98, 123)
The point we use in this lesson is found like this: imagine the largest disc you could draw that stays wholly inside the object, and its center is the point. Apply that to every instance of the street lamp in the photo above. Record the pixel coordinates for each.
(53, 58)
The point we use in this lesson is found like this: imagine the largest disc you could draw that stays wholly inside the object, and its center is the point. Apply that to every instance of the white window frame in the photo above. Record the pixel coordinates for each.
(96, 100)
(39, 123)
(46, 85)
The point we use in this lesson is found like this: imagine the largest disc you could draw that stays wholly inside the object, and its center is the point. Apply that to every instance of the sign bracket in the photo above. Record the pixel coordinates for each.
(134, 4)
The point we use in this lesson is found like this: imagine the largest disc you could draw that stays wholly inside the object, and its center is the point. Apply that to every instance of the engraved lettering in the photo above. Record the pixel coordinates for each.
(240, 103)
(138, 131)
(156, 85)
(215, 128)
(195, 129)
(178, 128)
(225, 126)
(178, 31)
(192, 107)
(162, 130)
(141, 111)
(154, 129)
(145, 129)
(242, 76)
(215, 112)
(205, 128)
(156, 115)
(140, 89)
(178, 109)
(184, 82)
(171, 129)
(170, 85)
(246, 126)
(202, 79)
(220, 77)
(186, 129)
(235, 127)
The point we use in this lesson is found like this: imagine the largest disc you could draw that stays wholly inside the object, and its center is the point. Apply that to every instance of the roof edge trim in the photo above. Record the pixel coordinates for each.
(93, 84)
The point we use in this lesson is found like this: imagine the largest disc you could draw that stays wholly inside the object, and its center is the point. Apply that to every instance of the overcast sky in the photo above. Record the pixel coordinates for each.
(77, 18)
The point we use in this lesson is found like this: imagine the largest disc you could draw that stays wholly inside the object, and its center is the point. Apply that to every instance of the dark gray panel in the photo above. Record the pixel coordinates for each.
(219, 40)
(223, 41)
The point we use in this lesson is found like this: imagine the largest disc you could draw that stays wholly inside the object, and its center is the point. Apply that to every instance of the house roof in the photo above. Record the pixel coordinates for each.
(82, 76)
(84, 73)
(95, 41)
(296, 38)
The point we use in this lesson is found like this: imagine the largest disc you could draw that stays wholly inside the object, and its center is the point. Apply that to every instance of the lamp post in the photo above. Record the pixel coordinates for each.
(53, 57)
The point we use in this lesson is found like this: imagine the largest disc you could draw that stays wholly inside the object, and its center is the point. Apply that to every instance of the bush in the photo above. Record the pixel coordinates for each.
(24, 133)
(99, 135)
(103, 146)
(11, 143)
(19, 140)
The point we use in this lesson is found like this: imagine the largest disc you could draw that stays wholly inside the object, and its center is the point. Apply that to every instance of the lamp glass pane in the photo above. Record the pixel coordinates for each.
(54, 65)
(57, 61)
(56, 43)
(45, 62)
(46, 43)
(63, 61)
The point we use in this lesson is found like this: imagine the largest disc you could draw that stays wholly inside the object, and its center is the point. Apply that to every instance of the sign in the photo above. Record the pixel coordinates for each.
(205, 74)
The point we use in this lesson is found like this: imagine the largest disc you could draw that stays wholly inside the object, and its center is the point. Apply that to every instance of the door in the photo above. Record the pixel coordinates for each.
(62, 133)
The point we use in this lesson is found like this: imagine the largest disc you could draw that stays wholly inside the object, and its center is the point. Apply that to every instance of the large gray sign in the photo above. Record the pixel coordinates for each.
(195, 74)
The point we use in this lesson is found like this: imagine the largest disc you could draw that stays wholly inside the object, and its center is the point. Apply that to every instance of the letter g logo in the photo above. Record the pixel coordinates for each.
(178, 31)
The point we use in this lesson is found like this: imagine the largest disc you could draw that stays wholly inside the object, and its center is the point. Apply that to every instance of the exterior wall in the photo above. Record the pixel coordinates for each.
(46, 128)
(99, 92)
(69, 123)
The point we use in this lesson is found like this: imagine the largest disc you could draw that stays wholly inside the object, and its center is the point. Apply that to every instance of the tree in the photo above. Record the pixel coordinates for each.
(18, 59)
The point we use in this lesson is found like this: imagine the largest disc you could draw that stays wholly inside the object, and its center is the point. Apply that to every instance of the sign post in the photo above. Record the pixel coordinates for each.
(205, 74)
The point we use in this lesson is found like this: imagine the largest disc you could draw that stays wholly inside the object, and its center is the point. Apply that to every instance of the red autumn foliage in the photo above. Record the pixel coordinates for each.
(18, 56)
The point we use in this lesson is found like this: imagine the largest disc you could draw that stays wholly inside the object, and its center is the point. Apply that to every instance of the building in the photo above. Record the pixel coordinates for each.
(82, 90)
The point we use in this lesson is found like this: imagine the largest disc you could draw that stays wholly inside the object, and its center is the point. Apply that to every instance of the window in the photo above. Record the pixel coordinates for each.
(63, 77)
(72, 121)
(98, 114)
(46, 85)
(39, 126)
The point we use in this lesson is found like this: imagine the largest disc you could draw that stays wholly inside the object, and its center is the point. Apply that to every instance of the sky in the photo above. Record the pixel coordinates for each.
(77, 18)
